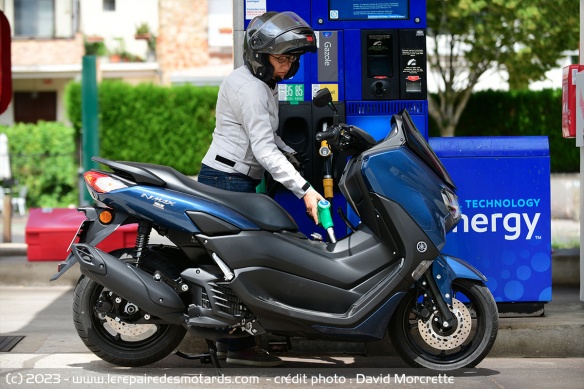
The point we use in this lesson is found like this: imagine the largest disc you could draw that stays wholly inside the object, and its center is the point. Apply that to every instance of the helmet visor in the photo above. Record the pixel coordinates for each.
(276, 26)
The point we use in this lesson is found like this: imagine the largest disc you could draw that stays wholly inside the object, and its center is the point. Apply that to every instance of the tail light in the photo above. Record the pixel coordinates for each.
(102, 183)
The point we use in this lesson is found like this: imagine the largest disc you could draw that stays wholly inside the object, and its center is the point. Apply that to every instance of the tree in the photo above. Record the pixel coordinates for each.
(467, 38)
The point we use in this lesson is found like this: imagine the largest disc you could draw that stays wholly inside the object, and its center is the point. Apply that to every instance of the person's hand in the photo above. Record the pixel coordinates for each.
(292, 159)
(298, 160)
(311, 199)
(302, 159)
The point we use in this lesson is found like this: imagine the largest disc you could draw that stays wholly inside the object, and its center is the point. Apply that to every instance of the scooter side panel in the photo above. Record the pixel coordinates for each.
(413, 243)
(168, 208)
(276, 315)
(399, 175)
(374, 326)
(344, 265)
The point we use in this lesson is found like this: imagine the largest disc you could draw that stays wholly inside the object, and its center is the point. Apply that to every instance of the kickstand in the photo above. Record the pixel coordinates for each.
(213, 356)
(210, 357)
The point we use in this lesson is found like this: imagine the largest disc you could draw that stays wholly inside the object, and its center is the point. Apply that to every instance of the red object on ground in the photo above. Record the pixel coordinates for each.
(49, 231)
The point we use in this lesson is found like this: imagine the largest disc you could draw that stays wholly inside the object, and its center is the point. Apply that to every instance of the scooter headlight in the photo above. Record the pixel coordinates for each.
(451, 202)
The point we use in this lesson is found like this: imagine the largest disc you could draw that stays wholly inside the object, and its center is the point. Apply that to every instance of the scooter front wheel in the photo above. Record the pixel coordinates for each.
(424, 342)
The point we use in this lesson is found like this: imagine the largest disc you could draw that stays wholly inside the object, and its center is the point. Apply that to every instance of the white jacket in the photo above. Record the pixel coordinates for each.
(245, 139)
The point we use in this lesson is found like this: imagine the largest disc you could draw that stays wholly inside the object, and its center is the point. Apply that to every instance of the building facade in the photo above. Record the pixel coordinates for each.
(158, 41)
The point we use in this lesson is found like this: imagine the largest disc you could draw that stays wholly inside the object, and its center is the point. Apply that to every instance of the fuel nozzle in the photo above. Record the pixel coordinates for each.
(325, 219)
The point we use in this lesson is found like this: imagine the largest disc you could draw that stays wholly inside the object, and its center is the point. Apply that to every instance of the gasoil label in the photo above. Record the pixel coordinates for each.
(328, 56)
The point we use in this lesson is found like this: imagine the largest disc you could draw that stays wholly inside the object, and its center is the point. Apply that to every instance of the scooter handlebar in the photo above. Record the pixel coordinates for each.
(327, 135)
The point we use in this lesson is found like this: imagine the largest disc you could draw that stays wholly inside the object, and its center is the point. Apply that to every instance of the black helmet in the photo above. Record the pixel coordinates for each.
(276, 33)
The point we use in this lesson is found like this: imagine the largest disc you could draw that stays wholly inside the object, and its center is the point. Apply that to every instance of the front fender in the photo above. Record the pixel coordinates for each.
(446, 269)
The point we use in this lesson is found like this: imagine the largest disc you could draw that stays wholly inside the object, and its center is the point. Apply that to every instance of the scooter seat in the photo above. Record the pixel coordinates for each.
(260, 209)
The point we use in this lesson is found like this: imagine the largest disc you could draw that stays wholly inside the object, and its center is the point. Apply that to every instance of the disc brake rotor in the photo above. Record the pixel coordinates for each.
(448, 342)
(132, 330)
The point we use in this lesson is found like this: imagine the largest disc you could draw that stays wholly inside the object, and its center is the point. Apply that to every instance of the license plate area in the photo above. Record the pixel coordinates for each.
(78, 233)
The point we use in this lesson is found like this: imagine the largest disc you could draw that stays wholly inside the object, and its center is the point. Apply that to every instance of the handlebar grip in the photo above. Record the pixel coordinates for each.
(326, 135)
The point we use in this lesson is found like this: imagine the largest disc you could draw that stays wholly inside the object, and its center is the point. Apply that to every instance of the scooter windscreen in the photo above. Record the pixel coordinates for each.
(416, 142)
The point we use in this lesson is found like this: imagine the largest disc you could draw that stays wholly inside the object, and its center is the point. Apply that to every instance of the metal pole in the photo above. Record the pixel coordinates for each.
(581, 219)
(89, 112)
(7, 216)
(581, 170)
(238, 33)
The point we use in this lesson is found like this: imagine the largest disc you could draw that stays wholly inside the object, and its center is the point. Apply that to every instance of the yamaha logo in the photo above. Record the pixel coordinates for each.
(422, 247)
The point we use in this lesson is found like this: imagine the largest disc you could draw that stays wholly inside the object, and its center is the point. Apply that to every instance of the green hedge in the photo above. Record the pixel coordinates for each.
(170, 126)
(520, 113)
(42, 157)
(173, 126)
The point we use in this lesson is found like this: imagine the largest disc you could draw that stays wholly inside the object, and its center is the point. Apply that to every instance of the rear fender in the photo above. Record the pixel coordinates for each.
(445, 269)
(91, 232)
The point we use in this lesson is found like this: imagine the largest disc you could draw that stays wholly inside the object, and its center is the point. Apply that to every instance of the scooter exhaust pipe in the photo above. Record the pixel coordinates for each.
(130, 283)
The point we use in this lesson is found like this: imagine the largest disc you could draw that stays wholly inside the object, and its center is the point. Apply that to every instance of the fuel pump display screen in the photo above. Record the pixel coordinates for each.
(368, 9)
(379, 64)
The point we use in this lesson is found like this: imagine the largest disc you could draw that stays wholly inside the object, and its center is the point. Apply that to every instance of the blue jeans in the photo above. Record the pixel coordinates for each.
(234, 182)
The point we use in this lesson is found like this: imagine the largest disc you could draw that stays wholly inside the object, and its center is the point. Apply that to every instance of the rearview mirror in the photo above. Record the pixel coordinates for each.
(322, 98)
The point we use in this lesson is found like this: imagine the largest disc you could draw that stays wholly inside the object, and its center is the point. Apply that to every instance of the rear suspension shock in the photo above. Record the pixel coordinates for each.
(142, 239)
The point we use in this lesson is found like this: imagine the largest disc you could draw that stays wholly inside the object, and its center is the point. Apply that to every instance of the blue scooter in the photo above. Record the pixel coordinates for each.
(238, 264)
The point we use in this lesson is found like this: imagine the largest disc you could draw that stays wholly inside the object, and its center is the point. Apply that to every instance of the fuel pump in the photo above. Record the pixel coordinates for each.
(371, 56)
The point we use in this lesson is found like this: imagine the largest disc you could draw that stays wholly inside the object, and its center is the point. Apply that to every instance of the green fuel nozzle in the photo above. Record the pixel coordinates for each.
(325, 219)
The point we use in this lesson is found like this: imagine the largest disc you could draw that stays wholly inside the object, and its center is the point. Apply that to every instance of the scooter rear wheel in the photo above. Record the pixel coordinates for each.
(122, 342)
(423, 343)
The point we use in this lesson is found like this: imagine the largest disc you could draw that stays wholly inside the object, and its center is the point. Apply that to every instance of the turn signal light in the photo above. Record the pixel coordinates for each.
(106, 216)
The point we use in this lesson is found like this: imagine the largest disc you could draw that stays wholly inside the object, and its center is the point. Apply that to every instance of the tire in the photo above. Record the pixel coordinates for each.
(423, 345)
(123, 343)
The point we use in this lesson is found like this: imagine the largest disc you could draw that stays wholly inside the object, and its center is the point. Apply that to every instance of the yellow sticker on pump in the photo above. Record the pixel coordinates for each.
(333, 88)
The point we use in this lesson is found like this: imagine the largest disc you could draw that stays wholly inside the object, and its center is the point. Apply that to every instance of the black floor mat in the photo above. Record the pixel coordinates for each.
(7, 343)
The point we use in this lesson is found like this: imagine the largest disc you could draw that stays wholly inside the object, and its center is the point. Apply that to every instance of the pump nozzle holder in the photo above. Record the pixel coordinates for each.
(327, 184)
(325, 219)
